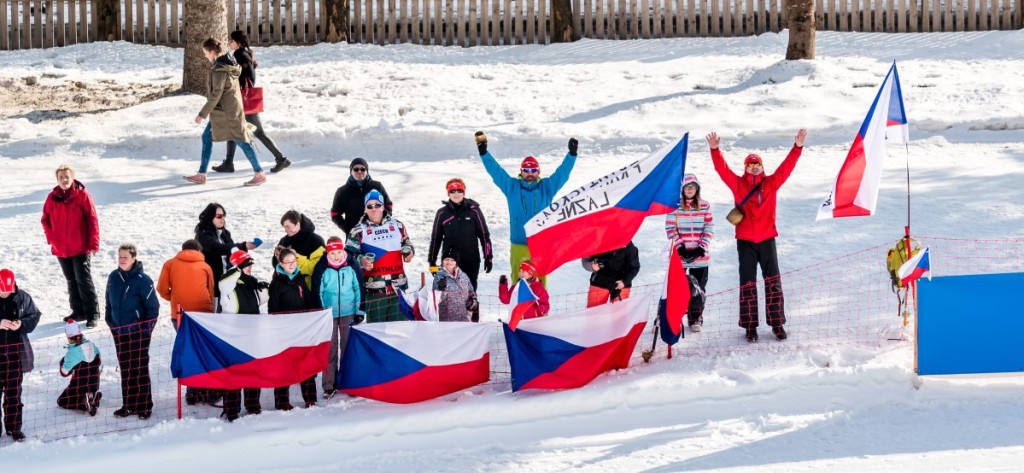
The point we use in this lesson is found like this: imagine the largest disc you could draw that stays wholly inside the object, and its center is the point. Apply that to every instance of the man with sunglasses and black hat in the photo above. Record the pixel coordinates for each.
(755, 192)
(527, 194)
(347, 208)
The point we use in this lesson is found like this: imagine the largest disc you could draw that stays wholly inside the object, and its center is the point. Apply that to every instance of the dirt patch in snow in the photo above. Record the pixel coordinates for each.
(41, 98)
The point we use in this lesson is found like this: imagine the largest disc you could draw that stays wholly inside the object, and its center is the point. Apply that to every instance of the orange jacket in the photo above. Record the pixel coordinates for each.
(186, 279)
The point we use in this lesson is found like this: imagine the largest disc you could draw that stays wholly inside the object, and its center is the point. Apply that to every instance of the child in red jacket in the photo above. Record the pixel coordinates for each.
(527, 272)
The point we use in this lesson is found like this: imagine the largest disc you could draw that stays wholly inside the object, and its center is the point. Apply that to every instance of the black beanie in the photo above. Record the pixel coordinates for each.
(358, 161)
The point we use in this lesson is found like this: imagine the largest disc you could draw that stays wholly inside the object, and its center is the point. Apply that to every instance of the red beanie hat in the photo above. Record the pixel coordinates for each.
(455, 184)
(336, 245)
(527, 265)
(752, 159)
(6, 280)
(529, 162)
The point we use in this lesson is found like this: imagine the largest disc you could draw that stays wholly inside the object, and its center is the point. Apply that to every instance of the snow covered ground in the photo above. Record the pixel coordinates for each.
(411, 111)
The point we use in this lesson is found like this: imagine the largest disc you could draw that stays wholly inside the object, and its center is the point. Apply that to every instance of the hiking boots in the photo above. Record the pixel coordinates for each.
(329, 393)
(17, 436)
(695, 328)
(751, 334)
(226, 166)
(780, 333)
(257, 179)
(143, 415)
(92, 402)
(230, 416)
(197, 178)
(91, 324)
(123, 412)
(280, 164)
(287, 406)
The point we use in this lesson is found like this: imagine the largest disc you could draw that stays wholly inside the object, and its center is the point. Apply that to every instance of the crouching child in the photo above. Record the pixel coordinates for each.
(82, 363)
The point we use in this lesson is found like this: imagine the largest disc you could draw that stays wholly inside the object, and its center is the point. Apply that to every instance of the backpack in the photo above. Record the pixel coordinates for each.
(897, 256)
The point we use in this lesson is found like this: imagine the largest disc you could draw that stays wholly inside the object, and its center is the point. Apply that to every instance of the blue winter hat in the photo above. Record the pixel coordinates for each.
(373, 195)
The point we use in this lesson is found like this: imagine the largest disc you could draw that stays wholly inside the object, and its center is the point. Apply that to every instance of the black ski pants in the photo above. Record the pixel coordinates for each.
(81, 290)
(133, 359)
(751, 256)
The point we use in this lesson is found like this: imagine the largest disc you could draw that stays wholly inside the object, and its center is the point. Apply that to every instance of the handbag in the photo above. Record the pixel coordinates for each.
(252, 99)
(735, 216)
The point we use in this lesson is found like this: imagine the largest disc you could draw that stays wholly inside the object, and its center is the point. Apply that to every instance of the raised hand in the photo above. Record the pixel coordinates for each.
(573, 146)
(713, 140)
(800, 137)
(481, 142)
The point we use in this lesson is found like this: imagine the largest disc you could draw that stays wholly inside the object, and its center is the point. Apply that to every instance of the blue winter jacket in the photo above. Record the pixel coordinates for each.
(131, 299)
(526, 199)
(339, 288)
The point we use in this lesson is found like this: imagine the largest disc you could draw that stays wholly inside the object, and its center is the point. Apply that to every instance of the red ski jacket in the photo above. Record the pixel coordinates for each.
(758, 223)
(70, 222)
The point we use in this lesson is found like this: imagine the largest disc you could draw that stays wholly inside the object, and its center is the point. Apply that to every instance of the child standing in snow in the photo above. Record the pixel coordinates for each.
(528, 272)
(459, 302)
(82, 363)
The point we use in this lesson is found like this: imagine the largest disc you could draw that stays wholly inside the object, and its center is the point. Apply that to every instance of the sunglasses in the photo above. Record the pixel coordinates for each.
(358, 169)
(750, 165)
(690, 186)
(374, 206)
(219, 216)
(288, 263)
(456, 191)
(531, 170)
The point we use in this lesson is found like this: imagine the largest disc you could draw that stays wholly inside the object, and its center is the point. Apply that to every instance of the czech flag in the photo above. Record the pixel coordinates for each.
(420, 305)
(522, 300)
(914, 268)
(855, 191)
(407, 362)
(604, 214)
(675, 300)
(569, 350)
(235, 351)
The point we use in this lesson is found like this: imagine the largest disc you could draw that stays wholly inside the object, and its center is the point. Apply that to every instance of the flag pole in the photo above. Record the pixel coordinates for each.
(178, 326)
(913, 285)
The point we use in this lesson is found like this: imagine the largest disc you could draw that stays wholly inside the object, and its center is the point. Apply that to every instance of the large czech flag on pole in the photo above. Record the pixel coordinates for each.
(603, 215)
(237, 351)
(407, 362)
(569, 350)
(855, 191)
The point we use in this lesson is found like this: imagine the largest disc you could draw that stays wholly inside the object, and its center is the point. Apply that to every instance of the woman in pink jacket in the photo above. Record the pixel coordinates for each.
(690, 229)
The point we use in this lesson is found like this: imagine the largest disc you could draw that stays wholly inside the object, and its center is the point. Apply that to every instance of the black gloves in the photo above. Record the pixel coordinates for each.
(573, 146)
(690, 255)
(472, 304)
(263, 285)
(481, 142)
(357, 319)
(488, 265)
(503, 280)
(442, 284)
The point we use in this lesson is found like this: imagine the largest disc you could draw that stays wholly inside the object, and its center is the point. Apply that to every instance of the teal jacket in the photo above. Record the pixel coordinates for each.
(526, 199)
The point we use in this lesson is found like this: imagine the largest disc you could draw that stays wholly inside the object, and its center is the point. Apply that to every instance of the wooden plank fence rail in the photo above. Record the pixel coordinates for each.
(466, 23)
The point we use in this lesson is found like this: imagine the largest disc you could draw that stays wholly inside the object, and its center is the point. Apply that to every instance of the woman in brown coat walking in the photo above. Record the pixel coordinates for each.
(224, 107)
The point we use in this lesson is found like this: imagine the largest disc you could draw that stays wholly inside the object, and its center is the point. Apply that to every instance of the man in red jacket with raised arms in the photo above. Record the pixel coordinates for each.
(755, 234)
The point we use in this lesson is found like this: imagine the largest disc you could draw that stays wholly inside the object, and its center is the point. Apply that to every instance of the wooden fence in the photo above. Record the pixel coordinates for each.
(48, 23)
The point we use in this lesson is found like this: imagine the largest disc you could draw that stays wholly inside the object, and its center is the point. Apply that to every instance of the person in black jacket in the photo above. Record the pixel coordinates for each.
(458, 227)
(131, 312)
(18, 317)
(613, 274)
(349, 200)
(289, 292)
(216, 241)
(239, 43)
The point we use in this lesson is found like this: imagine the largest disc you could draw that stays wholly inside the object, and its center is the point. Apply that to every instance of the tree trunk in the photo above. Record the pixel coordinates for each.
(336, 12)
(800, 19)
(202, 19)
(562, 29)
(108, 25)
